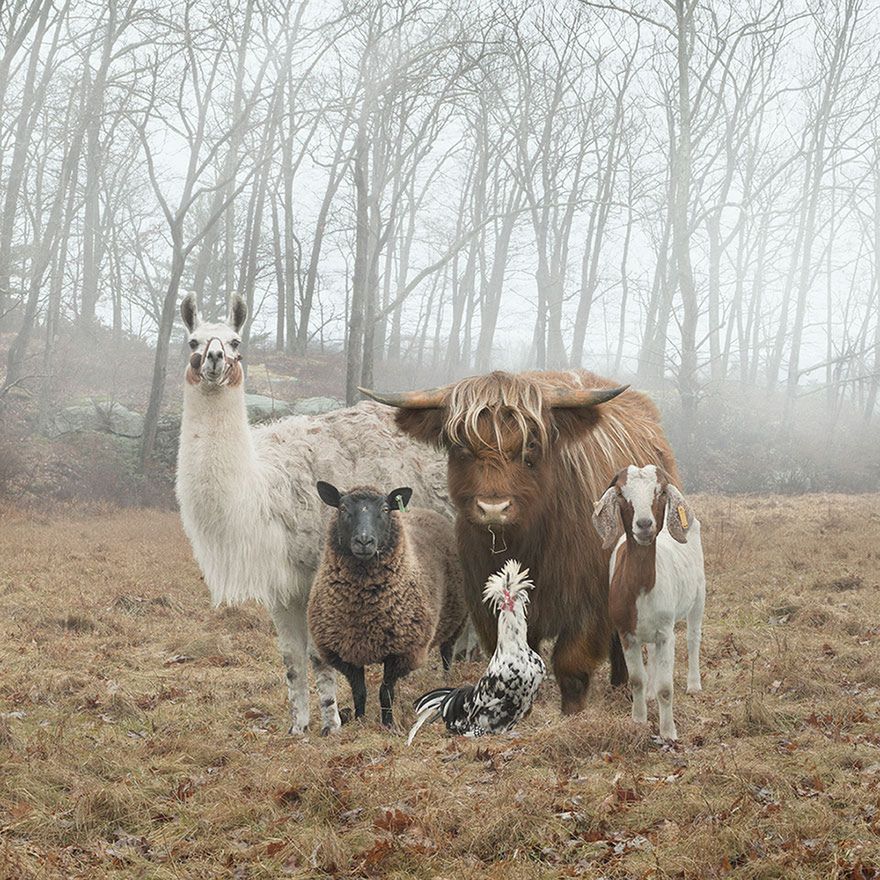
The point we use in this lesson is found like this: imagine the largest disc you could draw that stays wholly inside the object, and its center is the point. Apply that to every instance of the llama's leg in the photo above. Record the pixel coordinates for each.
(651, 690)
(325, 679)
(665, 666)
(632, 651)
(396, 666)
(694, 638)
(293, 639)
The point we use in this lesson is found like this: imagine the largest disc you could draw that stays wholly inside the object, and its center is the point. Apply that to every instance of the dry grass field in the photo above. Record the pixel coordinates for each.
(142, 732)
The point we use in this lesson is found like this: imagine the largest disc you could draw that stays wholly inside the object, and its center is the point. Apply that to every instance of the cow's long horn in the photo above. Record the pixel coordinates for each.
(580, 397)
(428, 398)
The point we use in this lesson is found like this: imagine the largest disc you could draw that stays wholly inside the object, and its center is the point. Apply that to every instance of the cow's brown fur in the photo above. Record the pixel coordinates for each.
(504, 442)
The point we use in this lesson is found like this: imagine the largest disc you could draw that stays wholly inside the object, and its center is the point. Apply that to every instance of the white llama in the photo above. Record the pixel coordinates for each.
(247, 494)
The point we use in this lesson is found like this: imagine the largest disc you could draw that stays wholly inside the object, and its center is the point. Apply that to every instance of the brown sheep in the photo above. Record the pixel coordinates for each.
(388, 588)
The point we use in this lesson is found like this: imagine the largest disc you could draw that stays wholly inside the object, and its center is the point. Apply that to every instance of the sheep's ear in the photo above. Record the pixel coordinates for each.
(189, 312)
(399, 498)
(606, 518)
(679, 515)
(329, 493)
(237, 313)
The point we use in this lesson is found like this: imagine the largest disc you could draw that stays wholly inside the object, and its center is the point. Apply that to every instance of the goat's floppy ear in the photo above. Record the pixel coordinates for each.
(606, 518)
(237, 313)
(679, 515)
(399, 498)
(329, 493)
(189, 312)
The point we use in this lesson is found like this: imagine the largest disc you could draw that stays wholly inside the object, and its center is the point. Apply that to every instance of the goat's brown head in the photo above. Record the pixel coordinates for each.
(214, 360)
(639, 501)
(500, 431)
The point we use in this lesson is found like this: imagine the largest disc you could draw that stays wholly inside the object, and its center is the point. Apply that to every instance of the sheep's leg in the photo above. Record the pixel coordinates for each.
(665, 664)
(651, 690)
(293, 640)
(632, 652)
(694, 638)
(395, 667)
(325, 679)
(446, 651)
(355, 677)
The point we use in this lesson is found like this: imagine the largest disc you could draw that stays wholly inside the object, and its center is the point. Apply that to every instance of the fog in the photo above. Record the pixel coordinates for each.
(681, 195)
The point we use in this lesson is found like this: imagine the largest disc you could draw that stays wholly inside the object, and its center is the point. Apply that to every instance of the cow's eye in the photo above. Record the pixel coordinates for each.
(193, 344)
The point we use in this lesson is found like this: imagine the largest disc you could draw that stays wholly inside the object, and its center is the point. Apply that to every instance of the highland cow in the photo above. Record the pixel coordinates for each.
(528, 454)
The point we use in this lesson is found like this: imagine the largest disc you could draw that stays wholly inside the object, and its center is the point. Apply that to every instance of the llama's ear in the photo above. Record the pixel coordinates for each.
(679, 515)
(189, 312)
(399, 498)
(606, 518)
(237, 313)
(329, 493)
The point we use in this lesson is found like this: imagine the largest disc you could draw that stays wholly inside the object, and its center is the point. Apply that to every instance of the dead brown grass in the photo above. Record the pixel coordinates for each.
(141, 732)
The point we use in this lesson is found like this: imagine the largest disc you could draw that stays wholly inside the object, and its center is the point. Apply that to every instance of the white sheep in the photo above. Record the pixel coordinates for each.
(656, 579)
(389, 587)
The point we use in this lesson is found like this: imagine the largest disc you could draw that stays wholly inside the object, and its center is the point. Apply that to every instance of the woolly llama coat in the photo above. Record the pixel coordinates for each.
(248, 503)
(402, 602)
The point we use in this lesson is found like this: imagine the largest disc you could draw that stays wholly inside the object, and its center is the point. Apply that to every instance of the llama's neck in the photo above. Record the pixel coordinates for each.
(216, 443)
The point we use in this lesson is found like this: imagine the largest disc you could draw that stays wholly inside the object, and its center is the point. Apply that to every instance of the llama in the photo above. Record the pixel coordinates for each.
(657, 578)
(246, 493)
(388, 589)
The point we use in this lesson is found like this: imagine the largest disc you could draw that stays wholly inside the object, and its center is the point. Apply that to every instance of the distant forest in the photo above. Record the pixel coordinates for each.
(681, 192)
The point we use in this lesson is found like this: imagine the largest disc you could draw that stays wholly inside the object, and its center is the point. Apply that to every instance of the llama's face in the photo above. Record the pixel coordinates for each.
(214, 359)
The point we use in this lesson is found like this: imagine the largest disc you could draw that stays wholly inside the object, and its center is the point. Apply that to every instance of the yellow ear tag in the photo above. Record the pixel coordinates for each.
(682, 516)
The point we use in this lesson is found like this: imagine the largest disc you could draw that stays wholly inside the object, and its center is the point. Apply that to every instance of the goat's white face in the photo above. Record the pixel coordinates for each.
(214, 359)
(646, 493)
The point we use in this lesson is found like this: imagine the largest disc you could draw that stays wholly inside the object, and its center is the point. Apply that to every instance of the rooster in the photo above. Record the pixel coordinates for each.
(506, 691)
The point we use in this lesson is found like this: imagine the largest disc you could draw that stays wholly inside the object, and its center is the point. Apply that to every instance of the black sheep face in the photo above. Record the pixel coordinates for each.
(364, 527)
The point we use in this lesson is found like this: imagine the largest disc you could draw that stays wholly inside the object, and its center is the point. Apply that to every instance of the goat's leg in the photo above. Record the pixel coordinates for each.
(632, 652)
(665, 665)
(293, 640)
(325, 679)
(651, 689)
(694, 638)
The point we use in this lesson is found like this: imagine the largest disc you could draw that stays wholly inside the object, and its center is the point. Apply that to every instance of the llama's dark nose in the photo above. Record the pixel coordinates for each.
(214, 357)
(644, 524)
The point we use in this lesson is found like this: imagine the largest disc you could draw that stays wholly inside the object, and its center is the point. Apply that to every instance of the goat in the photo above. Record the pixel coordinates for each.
(656, 579)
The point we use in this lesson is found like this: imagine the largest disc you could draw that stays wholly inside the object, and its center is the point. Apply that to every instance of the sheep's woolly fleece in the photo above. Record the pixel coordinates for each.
(247, 495)
(400, 602)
